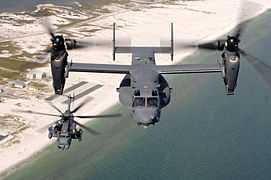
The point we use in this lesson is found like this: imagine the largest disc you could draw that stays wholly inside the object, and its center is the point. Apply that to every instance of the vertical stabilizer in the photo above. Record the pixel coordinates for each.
(114, 42)
(171, 41)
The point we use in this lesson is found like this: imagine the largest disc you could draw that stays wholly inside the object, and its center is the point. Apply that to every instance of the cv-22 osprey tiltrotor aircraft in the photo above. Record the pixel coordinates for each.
(144, 90)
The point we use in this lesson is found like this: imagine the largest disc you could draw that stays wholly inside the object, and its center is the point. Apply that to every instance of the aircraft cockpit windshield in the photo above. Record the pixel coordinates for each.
(63, 136)
(152, 102)
(139, 102)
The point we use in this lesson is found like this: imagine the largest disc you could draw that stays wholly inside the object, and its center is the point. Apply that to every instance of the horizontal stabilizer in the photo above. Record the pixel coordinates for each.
(164, 50)
(150, 49)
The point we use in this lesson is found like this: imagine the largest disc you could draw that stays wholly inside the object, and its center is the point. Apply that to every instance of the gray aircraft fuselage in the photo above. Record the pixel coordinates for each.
(144, 90)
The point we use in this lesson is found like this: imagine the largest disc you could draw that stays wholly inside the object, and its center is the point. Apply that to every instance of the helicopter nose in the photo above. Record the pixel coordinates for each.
(64, 143)
(146, 116)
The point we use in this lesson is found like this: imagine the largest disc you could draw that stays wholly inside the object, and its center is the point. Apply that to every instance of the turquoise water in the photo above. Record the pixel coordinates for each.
(30, 5)
(203, 134)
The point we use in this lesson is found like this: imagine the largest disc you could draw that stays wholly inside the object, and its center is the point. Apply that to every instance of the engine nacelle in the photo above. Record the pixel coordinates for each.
(230, 70)
(58, 64)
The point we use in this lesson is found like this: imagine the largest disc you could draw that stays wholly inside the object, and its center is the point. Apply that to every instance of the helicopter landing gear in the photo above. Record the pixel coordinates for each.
(79, 135)
(50, 135)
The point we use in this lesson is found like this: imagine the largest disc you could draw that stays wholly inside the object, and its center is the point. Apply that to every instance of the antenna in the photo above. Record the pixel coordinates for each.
(114, 42)
(171, 41)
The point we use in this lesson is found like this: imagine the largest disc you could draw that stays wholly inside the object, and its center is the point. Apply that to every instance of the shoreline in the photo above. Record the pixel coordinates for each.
(130, 24)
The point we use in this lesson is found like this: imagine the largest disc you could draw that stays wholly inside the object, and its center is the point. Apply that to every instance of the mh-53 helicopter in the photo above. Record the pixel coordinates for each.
(64, 130)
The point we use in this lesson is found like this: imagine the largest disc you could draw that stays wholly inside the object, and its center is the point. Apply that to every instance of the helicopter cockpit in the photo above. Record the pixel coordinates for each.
(141, 102)
(147, 101)
(152, 102)
(145, 110)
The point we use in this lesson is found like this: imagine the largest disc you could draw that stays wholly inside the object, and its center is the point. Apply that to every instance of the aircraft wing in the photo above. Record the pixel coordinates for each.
(189, 68)
(99, 68)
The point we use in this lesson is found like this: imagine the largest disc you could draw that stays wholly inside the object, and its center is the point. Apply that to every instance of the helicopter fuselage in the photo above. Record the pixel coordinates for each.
(65, 131)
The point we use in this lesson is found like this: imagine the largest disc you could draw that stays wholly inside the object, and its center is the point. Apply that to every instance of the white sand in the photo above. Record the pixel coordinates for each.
(197, 20)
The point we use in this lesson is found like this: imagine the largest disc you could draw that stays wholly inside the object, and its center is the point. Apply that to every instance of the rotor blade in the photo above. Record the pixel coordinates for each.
(103, 43)
(250, 8)
(213, 45)
(240, 29)
(47, 50)
(80, 105)
(48, 27)
(87, 128)
(81, 44)
(101, 116)
(44, 128)
(94, 43)
(52, 34)
(262, 70)
(33, 112)
(208, 46)
(53, 106)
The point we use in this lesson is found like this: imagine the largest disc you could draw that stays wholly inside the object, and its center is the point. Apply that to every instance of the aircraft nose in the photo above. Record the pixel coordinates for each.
(63, 143)
(146, 116)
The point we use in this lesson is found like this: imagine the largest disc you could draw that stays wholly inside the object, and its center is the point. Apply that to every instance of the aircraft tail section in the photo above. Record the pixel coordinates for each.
(123, 49)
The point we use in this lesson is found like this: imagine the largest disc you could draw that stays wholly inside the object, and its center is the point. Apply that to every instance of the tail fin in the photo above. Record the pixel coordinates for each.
(114, 42)
(171, 41)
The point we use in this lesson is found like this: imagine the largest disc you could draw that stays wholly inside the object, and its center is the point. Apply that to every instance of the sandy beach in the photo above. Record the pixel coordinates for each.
(195, 21)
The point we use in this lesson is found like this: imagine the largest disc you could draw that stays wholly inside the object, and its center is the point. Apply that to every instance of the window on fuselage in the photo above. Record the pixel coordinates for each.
(152, 102)
(139, 102)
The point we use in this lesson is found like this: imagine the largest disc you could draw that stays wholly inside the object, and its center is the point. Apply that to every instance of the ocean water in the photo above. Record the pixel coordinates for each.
(30, 5)
(203, 134)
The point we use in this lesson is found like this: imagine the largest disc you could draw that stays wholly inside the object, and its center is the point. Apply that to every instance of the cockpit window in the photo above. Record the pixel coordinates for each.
(154, 92)
(63, 136)
(152, 102)
(139, 102)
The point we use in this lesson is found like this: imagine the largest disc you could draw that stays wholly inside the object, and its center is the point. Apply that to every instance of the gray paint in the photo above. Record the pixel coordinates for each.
(143, 81)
